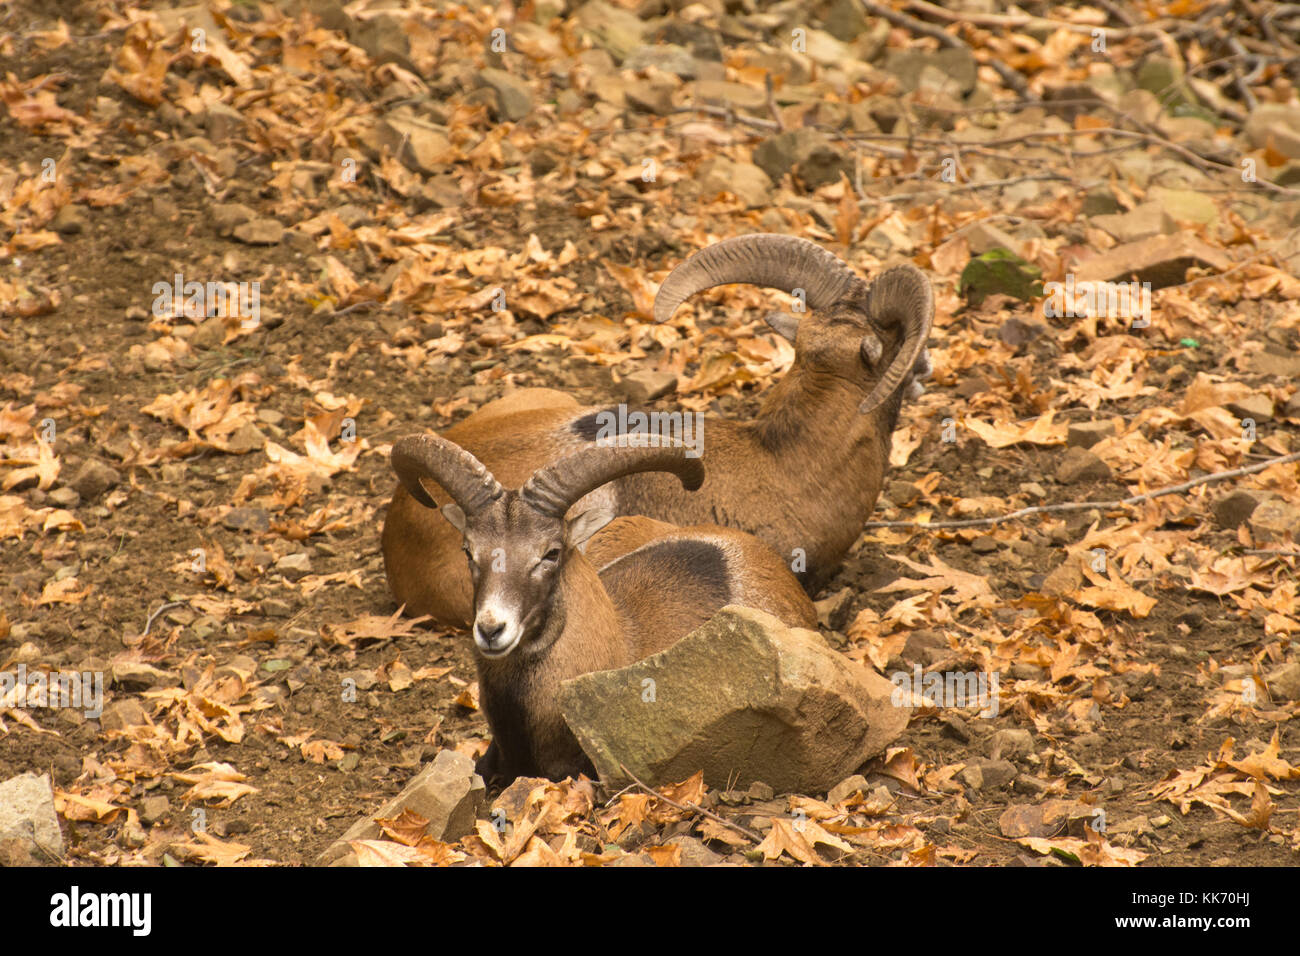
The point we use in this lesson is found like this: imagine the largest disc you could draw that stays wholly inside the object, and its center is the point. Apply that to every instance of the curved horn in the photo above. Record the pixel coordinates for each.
(553, 490)
(764, 259)
(459, 473)
(902, 295)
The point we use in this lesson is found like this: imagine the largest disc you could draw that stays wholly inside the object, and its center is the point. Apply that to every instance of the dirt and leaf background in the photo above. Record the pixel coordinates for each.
(441, 202)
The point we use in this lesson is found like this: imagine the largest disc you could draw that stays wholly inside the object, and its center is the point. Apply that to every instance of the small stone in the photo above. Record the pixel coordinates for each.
(1257, 407)
(274, 607)
(1161, 260)
(122, 714)
(1018, 333)
(154, 810)
(226, 216)
(833, 610)
(640, 388)
(137, 675)
(1275, 520)
(27, 813)
(759, 791)
(984, 544)
(846, 788)
(694, 853)
(1234, 509)
(1087, 434)
(1079, 465)
(93, 479)
(69, 221)
(260, 232)
(255, 520)
(1143, 222)
(514, 98)
(925, 646)
(447, 793)
(1284, 682)
(1011, 744)
(64, 497)
(294, 566)
(988, 774)
(903, 494)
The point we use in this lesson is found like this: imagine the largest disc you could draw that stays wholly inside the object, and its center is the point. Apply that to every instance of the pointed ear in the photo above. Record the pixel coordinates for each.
(455, 517)
(783, 323)
(577, 531)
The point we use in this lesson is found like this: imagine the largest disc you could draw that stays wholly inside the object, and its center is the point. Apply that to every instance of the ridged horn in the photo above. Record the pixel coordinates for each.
(459, 473)
(902, 295)
(769, 260)
(553, 490)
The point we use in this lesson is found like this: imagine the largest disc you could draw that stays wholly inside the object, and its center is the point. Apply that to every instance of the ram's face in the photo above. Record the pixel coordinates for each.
(841, 341)
(515, 558)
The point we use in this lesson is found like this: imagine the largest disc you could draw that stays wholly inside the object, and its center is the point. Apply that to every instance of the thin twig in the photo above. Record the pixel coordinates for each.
(1088, 505)
(166, 607)
(966, 187)
(692, 808)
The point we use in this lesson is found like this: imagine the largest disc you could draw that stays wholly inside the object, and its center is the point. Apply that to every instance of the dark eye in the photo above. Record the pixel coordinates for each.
(552, 556)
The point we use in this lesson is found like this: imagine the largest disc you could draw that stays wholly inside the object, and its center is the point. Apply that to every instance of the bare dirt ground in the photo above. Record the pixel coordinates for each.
(191, 478)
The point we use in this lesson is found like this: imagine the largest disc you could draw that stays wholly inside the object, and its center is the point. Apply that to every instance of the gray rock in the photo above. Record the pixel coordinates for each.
(847, 787)
(514, 98)
(1257, 407)
(1142, 222)
(1079, 465)
(1284, 682)
(1275, 361)
(137, 674)
(805, 152)
(27, 812)
(642, 387)
(1161, 260)
(64, 498)
(259, 232)
(667, 57)
(69, 221)
(743, 698)
(1276, 125)
(122, 714)
(695, 853)
(833, 610)
(1232, 510)
(227, 215)
(255, 520)
(384, 40)
(1011, 744)
(294, 566)
(618, 32)
(845, 20)
(743, 180)
(422, 147)
(154, 810)
(1274, 520)
(957, 64)
(1087, 434)
(94, 478)
(988, 774)
(222, 122)
(447, 793)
